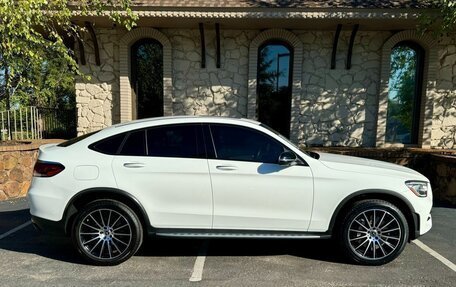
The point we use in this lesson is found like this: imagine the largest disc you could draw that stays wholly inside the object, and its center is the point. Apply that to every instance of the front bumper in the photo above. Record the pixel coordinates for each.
(425, 223)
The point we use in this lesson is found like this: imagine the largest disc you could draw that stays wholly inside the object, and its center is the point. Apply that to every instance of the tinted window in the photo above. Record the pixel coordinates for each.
(134, 144)
(147, 77)
(176, 141)
(238, 143)
(274, 85)
(404, 95)
(110, 145)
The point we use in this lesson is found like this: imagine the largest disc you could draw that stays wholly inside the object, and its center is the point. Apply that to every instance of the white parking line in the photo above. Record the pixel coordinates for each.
(8, 233)
(436, 255)
(197, 273)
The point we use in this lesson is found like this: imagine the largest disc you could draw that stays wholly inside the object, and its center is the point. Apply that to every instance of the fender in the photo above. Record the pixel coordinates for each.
(368, 192)
(71, 210)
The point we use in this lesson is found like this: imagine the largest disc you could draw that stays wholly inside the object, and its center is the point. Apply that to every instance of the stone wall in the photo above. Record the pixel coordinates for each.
(16, 167)
(444, 114)
(442, 171)
(211, 90)
(97, 98)
(337, 107)
(15, 173)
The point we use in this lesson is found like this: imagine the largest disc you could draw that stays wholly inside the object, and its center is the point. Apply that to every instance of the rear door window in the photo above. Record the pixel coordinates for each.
(185, 141)
(134, 144)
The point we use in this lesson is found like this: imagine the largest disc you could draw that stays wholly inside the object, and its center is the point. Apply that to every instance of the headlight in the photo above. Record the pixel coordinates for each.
(420, 188)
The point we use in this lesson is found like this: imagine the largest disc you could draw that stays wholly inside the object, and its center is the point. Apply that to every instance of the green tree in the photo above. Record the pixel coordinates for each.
(401, 91)
(442, 22)
(36, 67)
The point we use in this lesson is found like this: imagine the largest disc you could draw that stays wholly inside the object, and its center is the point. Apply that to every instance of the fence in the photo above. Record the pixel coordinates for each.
(28, 123)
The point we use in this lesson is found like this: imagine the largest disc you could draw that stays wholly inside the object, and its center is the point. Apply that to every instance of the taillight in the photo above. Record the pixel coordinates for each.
(47, 169)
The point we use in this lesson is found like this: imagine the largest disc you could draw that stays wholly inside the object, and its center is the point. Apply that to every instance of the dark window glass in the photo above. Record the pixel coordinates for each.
(147, 77)
(238, 143)
(210, 151)
(176, 141)
(75, 140)
(110, 145)
(404, 94)
(134, 144)
(274, 86)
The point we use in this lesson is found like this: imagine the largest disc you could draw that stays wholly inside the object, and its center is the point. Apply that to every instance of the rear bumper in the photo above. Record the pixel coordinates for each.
(48, 226)
(46, 200)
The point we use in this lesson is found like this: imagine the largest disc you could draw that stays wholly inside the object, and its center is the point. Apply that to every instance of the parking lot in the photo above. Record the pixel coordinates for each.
(30, 258)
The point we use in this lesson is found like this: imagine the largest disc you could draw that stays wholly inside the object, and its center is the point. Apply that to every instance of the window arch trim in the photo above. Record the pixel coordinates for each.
(277, 42)
(126, 91)
(134, 72)
(293, 41)
(283, 43)
(430, 61)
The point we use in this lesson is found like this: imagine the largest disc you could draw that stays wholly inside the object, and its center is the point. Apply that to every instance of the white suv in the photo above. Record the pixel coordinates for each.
(218, 177)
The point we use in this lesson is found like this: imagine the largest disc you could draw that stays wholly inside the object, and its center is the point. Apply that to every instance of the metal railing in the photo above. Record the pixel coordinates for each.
(29, 123)
(20, 124)
(57, 123)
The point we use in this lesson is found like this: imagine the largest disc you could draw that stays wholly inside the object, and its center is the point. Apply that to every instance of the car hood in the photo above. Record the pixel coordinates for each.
(370, 166)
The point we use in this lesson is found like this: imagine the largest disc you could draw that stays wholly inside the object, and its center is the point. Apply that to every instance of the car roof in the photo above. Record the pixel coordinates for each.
(185, 119)
(159, 121)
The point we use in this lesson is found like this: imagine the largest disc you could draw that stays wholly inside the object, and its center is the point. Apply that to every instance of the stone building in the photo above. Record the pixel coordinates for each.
(330, 73)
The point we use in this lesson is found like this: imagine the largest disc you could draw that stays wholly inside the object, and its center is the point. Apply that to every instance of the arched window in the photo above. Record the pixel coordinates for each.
(404, 95)
(274, 82)
(147, 77)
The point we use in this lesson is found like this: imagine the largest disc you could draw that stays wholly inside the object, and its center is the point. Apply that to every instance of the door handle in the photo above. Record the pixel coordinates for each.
(133, 164)
(226, 167)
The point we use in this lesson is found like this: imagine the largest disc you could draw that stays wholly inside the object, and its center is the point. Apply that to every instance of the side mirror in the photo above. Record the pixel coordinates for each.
(287, 158)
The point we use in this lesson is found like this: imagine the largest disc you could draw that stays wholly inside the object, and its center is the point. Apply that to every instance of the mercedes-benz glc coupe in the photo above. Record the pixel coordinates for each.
(212, 177)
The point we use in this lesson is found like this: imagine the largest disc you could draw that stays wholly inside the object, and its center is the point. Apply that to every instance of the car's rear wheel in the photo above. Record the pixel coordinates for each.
(107, 232)
(374, 232)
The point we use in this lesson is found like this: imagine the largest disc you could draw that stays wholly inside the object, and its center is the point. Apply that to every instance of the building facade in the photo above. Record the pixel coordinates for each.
(323, 73)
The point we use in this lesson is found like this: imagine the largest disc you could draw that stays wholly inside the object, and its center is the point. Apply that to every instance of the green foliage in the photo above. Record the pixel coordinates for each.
(148, 78)
(402, 91)
(442, 22)
(273, 88)
(35, 65)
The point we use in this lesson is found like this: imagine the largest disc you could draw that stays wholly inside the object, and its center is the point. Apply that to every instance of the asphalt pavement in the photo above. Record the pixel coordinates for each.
(31, 258)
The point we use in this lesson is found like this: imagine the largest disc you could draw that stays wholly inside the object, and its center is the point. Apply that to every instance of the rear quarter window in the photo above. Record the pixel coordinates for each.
(109, 145)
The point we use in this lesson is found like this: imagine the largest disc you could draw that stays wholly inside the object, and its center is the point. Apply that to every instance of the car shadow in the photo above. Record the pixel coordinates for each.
(322, 250)
(31, 241)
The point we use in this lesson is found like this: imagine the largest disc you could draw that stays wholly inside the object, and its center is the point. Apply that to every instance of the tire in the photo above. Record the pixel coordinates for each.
(374, 232)
(107, 232)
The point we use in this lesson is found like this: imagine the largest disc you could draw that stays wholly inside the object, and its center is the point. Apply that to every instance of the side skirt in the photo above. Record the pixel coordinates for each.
(202, 233)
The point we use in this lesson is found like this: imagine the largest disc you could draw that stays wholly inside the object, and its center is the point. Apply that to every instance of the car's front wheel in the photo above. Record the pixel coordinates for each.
(107, 232)
(374, 232)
